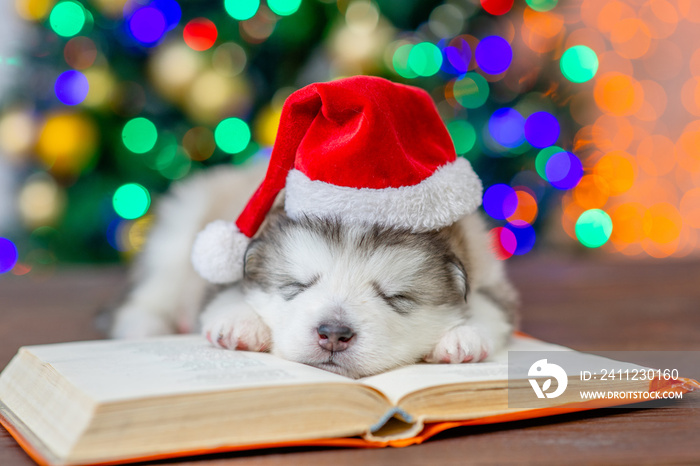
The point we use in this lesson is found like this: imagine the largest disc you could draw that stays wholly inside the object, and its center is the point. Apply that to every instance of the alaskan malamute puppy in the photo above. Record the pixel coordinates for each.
(352, 299)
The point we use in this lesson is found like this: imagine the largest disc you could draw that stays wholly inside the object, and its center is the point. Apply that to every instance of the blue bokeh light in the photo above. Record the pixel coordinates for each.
(524, 236)
(71, 87)
(542, 129)
(493, 54)
(564, 170)
(8, 255)
(147, 25)
(506, 127)
(458, 56)
(500, 201)
(171, 11)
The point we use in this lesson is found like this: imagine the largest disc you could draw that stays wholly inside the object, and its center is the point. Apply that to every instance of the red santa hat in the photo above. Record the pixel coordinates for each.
(362, 149)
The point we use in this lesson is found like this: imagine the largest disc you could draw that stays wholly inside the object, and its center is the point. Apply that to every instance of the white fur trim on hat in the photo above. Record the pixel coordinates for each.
(450, 193)
(218, 252)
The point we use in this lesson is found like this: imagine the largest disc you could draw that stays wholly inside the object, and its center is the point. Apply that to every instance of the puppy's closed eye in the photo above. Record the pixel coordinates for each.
(293, 289)
(399, 302)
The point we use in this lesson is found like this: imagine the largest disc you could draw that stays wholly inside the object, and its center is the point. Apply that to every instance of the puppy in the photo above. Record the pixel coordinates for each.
(354, 299)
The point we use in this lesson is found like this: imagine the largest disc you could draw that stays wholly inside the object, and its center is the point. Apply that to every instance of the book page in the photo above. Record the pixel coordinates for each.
(400, 382)
(115, 370)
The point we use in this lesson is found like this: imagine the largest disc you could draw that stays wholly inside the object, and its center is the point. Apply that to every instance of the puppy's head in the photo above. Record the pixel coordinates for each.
(355, 300)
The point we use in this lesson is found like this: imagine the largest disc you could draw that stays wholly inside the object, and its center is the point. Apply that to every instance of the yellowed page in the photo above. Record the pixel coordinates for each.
(118, 370)
(400, 382)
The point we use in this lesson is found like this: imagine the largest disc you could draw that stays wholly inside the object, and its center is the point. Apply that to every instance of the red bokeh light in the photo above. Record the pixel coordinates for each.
(200, 34)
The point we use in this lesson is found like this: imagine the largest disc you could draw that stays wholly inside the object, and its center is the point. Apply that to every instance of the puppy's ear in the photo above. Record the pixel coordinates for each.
(250, 256)
(460, 275)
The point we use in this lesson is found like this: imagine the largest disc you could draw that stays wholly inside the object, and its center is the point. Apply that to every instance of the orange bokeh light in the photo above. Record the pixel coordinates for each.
(628, 225)
(612, 133)
(541, 30)
(655, 101)
(630, 38)
(618, 94)
(690, 208)
(662, 223)
(660, 17)
(612, 13)
(688, 147)
(527, 208)
(618, 170)
(690, 96)
(656, 155)
(591, 192)
(690, 10)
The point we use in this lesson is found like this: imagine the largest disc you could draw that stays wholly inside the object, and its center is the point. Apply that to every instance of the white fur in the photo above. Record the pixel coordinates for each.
(218, 250)
(452, 192)
(168, 293)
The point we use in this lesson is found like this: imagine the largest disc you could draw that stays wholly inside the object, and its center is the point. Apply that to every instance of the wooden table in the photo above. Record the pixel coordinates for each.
(602, 304)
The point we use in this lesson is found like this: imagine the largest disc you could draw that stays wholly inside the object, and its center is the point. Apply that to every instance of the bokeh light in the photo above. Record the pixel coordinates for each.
(200, 34)
(67, 143)
(497, 7)
(131, 201)
(425, 59)
(241, 9)
(458, 54)
(284, 7)
(579, 64)
(67, 18)
(500, 201)
(8, 255)
(400, 61)
(506, 127)
(563, 170)
(139, 135)
(493, 54)
(463, 135)
(526, 210)
(71, 87)
(541, 5)
(471, 91)
(232, 135)
(524, 235)
(543, 157)
(542, 129)
(503, 242)
(593, 228)
(147, 25)
(80, 52)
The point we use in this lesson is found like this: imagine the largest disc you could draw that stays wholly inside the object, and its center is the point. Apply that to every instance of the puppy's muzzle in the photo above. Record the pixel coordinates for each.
(335, 337)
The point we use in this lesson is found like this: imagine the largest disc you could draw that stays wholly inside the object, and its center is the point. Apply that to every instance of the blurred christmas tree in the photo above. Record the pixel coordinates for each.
(114, 100)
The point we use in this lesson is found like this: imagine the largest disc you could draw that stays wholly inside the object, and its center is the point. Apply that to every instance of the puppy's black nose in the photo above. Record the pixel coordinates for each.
(334, 337)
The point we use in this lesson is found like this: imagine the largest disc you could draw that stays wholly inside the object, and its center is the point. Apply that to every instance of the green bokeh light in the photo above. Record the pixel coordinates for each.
(541, 5)
(425, 59)
(471, 91)
(593, 228)
(241, 9)
(139, 135)
(131, 201)
(67, 19)
(579, 64)
(543, 157)
(232, 135)
(284, 7)
(400, 62)
(463, 135)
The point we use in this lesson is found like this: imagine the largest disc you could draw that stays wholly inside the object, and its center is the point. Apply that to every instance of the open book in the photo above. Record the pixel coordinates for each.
(122, 401)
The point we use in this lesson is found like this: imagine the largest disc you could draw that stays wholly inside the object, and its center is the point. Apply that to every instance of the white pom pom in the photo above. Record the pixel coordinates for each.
(218, 252)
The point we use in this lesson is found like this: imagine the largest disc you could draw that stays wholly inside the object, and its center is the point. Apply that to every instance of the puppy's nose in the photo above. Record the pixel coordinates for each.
(334, 337)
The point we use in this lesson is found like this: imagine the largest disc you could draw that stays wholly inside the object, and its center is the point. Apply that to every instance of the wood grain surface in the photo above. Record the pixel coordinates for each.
(586, 304)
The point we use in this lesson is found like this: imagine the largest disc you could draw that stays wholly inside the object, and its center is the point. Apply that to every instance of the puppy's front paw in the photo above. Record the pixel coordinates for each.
(461, 344)
(248, 333)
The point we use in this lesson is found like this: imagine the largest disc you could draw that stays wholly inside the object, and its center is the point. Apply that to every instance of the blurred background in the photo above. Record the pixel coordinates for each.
(582, 117)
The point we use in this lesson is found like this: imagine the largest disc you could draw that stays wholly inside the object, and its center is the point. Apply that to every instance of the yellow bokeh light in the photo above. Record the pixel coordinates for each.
(67, 143)
(617, 170)
(33, 10)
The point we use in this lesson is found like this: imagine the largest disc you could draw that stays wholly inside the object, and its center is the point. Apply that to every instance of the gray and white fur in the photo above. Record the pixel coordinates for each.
(355, 299)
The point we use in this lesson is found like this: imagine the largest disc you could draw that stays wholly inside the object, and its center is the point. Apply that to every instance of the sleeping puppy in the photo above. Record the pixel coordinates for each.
(352, 298)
